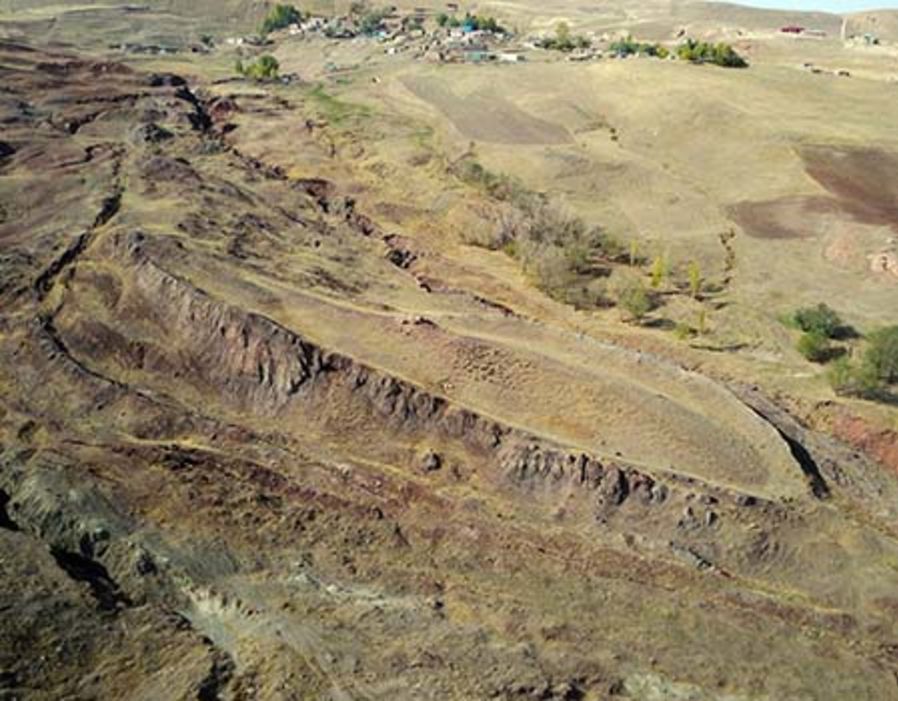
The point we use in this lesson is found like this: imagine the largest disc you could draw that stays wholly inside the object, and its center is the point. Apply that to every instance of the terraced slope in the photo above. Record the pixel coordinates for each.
(256, 444)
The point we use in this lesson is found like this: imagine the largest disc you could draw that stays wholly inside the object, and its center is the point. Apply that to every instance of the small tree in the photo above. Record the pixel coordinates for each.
(635, 300)
(702, 322)
(442, 19)
(695, 279)
(634, 252)
(820, 320)
(659, 271)
(562, 33)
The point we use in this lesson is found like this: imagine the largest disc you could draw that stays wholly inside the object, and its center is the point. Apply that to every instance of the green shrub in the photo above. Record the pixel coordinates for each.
(630, 47)
(280, 16)
(635, 300)
(850, 379)
(819, 320)
(704, 52)
(814, 346)
(263, 68)
(881, 356)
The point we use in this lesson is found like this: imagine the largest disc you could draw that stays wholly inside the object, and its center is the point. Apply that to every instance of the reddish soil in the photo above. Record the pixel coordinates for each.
(879, 443)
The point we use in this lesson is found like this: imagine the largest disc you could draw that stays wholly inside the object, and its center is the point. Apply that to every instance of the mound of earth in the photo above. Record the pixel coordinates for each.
(253, 444)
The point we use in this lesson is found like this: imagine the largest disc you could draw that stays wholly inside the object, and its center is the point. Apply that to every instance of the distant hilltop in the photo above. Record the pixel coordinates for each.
(882, 24)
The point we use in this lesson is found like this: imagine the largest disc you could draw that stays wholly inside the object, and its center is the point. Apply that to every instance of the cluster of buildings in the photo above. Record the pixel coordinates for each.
(466, 45)
(438, 36)
(417, 32)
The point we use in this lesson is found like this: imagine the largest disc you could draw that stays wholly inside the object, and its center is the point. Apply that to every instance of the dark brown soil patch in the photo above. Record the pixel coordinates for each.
(865, 180)
(782, 218)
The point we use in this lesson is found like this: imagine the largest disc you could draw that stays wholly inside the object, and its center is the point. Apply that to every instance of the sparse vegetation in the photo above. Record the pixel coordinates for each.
(718, 54)
(279, 17)
(559, 250)
(335, 110)
(497, 186)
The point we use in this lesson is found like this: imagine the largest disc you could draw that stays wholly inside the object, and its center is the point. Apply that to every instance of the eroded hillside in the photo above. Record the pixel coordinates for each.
(259, 441)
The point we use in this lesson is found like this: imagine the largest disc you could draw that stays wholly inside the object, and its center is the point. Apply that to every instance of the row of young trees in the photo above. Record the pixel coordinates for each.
(560, 251)
(697, 52)
(564, 40)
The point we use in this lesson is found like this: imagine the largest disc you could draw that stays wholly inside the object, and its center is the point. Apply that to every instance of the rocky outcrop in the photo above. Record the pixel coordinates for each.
(612, 483)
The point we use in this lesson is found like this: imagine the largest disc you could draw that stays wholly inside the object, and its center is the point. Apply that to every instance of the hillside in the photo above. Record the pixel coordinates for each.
(337, 385)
